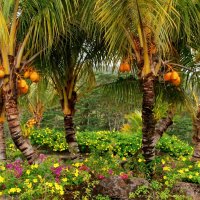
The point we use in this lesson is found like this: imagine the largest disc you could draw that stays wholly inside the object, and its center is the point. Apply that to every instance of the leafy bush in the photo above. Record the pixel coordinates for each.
(49, 138)
(174, 146)
(118, 143)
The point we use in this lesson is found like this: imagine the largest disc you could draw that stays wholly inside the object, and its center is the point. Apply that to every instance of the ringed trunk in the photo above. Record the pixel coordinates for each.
(2, 143)
(12, 115)
(69, 126)
(21, 143)
(148, 118)
(70, 135)
(196, 136)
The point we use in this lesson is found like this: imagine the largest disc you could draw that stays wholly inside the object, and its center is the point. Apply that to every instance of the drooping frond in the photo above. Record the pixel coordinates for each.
(124, 89)
(47, 19)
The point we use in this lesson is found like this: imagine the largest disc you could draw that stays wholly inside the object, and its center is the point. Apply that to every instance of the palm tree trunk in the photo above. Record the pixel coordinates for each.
(148, 119)
(69, 127)
(2, 143)
(70, 135)
(196, 136)
(21, 143)
(12, 114)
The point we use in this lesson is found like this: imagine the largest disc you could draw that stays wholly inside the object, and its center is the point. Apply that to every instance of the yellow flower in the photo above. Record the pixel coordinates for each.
(35, 166)
(1, 193)
(197, 174)
(139, 160)
(78, 164)
(2, 168)
(76, 173)
(28, 172)
(190, 176)
(164, 177)
(124, 159)
(35, 180)
(1, 179)
(64, 179)
(181, 171)
(198, 165)
(61, 192)
(186, 169)
(166, 182)
(11, 145)
(166, 168)
(39, 176)
(190, 166)
(18, 190)
(11, 190)
(56, 165)
(27, 181)
(67, 169)
(163, 161)
(183, 159)
(29, 185)
(104, 169)
(49, 184)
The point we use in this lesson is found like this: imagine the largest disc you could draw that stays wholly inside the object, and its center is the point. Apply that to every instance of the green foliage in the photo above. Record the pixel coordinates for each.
(106, 159)
(134, 122)
(49, 180)
(100, 197)
(121, 144)
(182, 127)
(104, 141)
(102, 109)
(49, 138)
(183, 169)
(174, 146)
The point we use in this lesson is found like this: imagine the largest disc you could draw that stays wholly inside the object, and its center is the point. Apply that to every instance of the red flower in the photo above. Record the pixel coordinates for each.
(84, 168)
(124, 176)
(100, 177)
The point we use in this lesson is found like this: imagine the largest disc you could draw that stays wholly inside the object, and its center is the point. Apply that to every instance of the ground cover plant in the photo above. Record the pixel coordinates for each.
(104, 157)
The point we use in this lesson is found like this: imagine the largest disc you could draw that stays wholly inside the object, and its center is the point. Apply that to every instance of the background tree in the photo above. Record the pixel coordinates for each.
(70, 65)
(27, 28)
(145, 32)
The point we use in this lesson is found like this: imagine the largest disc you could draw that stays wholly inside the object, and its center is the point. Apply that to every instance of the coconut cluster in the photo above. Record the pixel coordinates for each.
(173, 77)
(29, 73)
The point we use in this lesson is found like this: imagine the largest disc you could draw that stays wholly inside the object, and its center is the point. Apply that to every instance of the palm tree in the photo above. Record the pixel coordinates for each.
(28, 28)
(70, 65)
(144, 33)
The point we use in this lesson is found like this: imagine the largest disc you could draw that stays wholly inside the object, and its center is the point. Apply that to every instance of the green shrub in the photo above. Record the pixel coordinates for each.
(174, 146)
(121, 144)
(49, 138)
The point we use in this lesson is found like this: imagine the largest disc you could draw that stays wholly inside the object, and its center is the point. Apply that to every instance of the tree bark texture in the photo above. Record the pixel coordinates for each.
(21, 143)
(69, 126)
(148, 118)
(70, 135)
(12, 114)
(2, 143)
(196, 136)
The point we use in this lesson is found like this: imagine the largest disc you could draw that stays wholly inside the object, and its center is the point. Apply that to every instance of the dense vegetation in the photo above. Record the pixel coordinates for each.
(99, 92)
